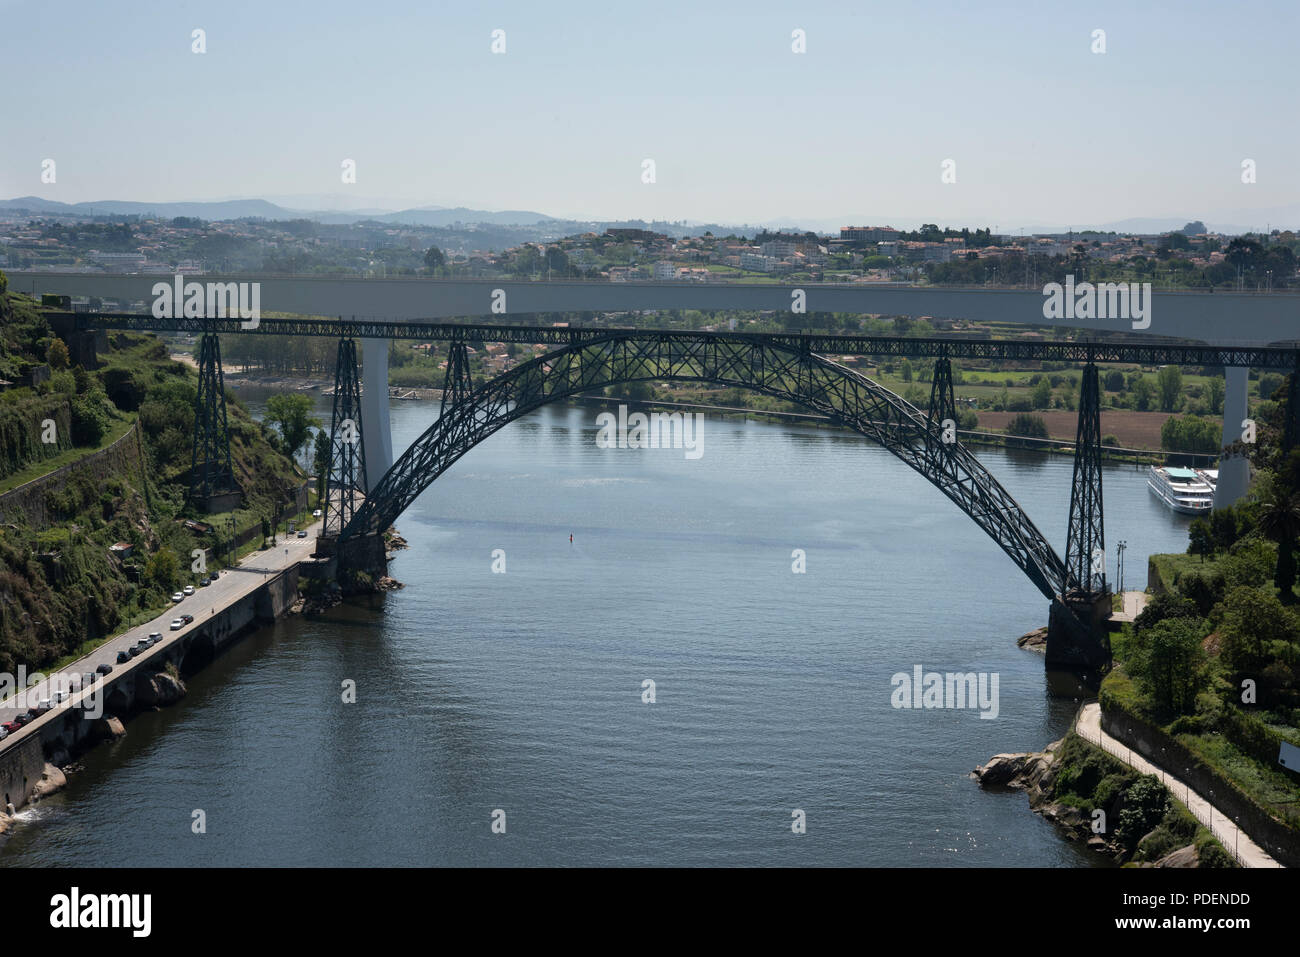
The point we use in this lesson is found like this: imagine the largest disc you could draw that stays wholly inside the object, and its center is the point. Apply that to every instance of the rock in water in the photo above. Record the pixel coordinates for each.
(52, 780)
(1035, 640)
(106, 728)
(159, 689)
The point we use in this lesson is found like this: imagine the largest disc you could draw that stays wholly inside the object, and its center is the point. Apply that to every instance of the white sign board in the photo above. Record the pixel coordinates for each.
(1289, 756)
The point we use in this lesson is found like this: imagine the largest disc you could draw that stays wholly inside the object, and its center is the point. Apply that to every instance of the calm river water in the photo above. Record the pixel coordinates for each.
(522, 691)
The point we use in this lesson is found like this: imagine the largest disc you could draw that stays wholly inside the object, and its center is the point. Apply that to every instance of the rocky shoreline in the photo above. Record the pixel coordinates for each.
(1036, 773)
(153, 692)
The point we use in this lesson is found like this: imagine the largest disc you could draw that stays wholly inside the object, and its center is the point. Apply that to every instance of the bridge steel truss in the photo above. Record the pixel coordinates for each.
(210, 470)
(943, 405)
(456, 385)
(1077, 351)
(346, 478)
(1085, 547)
(797, 375)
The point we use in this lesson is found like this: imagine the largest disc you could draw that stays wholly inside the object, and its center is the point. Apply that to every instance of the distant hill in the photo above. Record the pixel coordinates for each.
(241, 208)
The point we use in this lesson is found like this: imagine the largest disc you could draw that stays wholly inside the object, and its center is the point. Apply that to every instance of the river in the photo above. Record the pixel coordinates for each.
(522, 691)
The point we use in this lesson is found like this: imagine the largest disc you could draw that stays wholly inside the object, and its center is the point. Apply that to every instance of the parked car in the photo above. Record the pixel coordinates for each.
(89, 678)
(155, 637)
(24, 718)
(189, 590)
(104, 669)
(178, 624)
(302, 533)
(60, 697)
(43, 706)
(188, 619)
(11, 726)
(178, 597)
(122, 658)
(204, 583)
(3, 733)
(317, 513)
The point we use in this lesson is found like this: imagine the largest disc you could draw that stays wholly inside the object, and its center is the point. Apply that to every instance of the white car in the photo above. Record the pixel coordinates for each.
(189, 589)
(178, 597)
(317, 514)
(60, 697)
(177, 624)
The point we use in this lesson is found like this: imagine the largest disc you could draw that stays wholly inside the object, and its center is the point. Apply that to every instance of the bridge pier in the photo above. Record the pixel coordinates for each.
(1077, 637)
(1234, 470)
(359, 553)
(457, 383)
(943, 405)
(347, 466)
(1076, 626)
(374, 409)
(212, 480)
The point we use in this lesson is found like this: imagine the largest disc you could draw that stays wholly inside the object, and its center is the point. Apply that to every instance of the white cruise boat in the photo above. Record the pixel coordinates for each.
(1183, 490)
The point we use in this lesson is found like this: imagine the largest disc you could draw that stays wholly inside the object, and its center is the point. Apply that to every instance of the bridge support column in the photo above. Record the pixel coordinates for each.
(358, 558)
(457, 383)
(1076, 626)
(1085, 546)
(374, 409)
(1234, 470)
(347, 467)
(943, 405)
(212, 480)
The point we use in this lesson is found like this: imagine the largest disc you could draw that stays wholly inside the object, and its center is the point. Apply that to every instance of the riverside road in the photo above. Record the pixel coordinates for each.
(231, 586)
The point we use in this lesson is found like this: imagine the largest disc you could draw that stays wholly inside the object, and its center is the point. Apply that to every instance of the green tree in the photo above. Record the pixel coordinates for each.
(1249, 620)
(1199, 540)
(1170, 663)
(1143, 392)
(1031, 426)
(1146, 802)
(435, 258)
(89, 419)
(163, 570)
(1169, 383)
(56, 354)
(321, 461)
(1279, 521)
(1041, 394)
(1214, 389)
(291, 414)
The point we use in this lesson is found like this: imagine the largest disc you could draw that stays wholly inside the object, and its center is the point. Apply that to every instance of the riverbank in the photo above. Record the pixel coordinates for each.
(968, 436)
(262, 587)
(1120, 812)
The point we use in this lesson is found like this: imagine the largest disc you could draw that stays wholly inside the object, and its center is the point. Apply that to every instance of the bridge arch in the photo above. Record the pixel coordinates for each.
(810, 380)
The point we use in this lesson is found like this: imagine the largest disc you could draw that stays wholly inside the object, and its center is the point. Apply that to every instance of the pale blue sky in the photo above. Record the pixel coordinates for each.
(1043, 131)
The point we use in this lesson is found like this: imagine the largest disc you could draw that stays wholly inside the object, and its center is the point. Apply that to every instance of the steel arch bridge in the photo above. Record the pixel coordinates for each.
(772, 368)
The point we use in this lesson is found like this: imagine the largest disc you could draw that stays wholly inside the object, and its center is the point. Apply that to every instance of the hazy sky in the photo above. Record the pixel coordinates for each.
(1041, 129)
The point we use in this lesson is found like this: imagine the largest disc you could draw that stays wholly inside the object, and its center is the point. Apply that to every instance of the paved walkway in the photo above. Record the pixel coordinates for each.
(1234, 840)
(1134, 602)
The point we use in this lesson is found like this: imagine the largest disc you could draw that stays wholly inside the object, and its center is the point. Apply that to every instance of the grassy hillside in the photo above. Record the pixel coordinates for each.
(60, 587)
